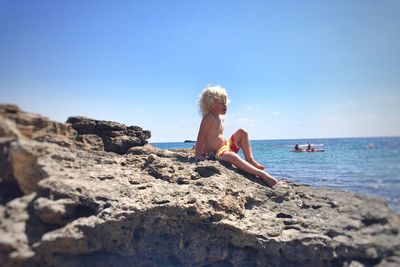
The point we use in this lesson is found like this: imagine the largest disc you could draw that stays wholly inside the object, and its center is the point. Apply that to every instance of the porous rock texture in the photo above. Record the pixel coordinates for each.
(69, 205)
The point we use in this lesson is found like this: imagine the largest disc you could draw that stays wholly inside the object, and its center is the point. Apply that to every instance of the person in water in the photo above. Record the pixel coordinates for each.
(297, 148)
(310, 148)
(211, 143)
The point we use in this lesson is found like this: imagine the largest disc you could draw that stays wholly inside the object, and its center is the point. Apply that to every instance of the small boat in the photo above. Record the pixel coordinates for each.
(301, 148)
(301, 151)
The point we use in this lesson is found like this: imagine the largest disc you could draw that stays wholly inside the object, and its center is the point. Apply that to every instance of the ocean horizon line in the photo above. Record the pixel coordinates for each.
(307, 138)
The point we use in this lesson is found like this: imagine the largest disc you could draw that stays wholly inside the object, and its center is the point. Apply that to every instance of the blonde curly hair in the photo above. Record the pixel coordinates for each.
(210, 95)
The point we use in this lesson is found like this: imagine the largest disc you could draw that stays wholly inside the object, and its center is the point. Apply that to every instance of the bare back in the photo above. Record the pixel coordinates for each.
(214, 137)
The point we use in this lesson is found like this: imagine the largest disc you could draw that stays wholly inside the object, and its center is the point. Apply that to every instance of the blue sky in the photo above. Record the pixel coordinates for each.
(293, 69)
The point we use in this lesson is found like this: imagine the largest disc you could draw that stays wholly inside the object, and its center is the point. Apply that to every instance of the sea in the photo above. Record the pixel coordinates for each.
(369, 166)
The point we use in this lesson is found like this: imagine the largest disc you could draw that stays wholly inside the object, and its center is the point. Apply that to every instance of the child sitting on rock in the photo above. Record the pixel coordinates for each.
(211, 143)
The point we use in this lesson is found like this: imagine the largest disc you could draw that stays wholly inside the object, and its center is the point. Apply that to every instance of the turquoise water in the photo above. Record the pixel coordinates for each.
(361, 165)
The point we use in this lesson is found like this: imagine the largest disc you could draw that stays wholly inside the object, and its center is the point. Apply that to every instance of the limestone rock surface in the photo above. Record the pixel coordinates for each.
(116, 137)
(77, 132)
(75, 206)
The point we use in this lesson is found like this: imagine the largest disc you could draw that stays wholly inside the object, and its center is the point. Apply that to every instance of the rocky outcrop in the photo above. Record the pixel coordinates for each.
(16, 123)
(116, 137)
(153, 207)
(77, 132)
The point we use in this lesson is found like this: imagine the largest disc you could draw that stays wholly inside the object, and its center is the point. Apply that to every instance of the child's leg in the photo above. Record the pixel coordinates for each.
(241, 164)
(242, 139)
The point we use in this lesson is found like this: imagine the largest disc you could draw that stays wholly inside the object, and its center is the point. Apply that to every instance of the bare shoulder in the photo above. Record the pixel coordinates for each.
(208, 117)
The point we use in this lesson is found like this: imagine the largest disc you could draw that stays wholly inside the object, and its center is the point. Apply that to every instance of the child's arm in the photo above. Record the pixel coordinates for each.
(201, 136)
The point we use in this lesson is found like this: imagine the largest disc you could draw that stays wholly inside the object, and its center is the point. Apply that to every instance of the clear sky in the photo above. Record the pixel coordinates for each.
(293, 69)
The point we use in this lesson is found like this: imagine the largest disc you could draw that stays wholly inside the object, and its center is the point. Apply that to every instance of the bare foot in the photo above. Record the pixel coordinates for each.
(280, 184)
(271, 181)
(256, 164)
